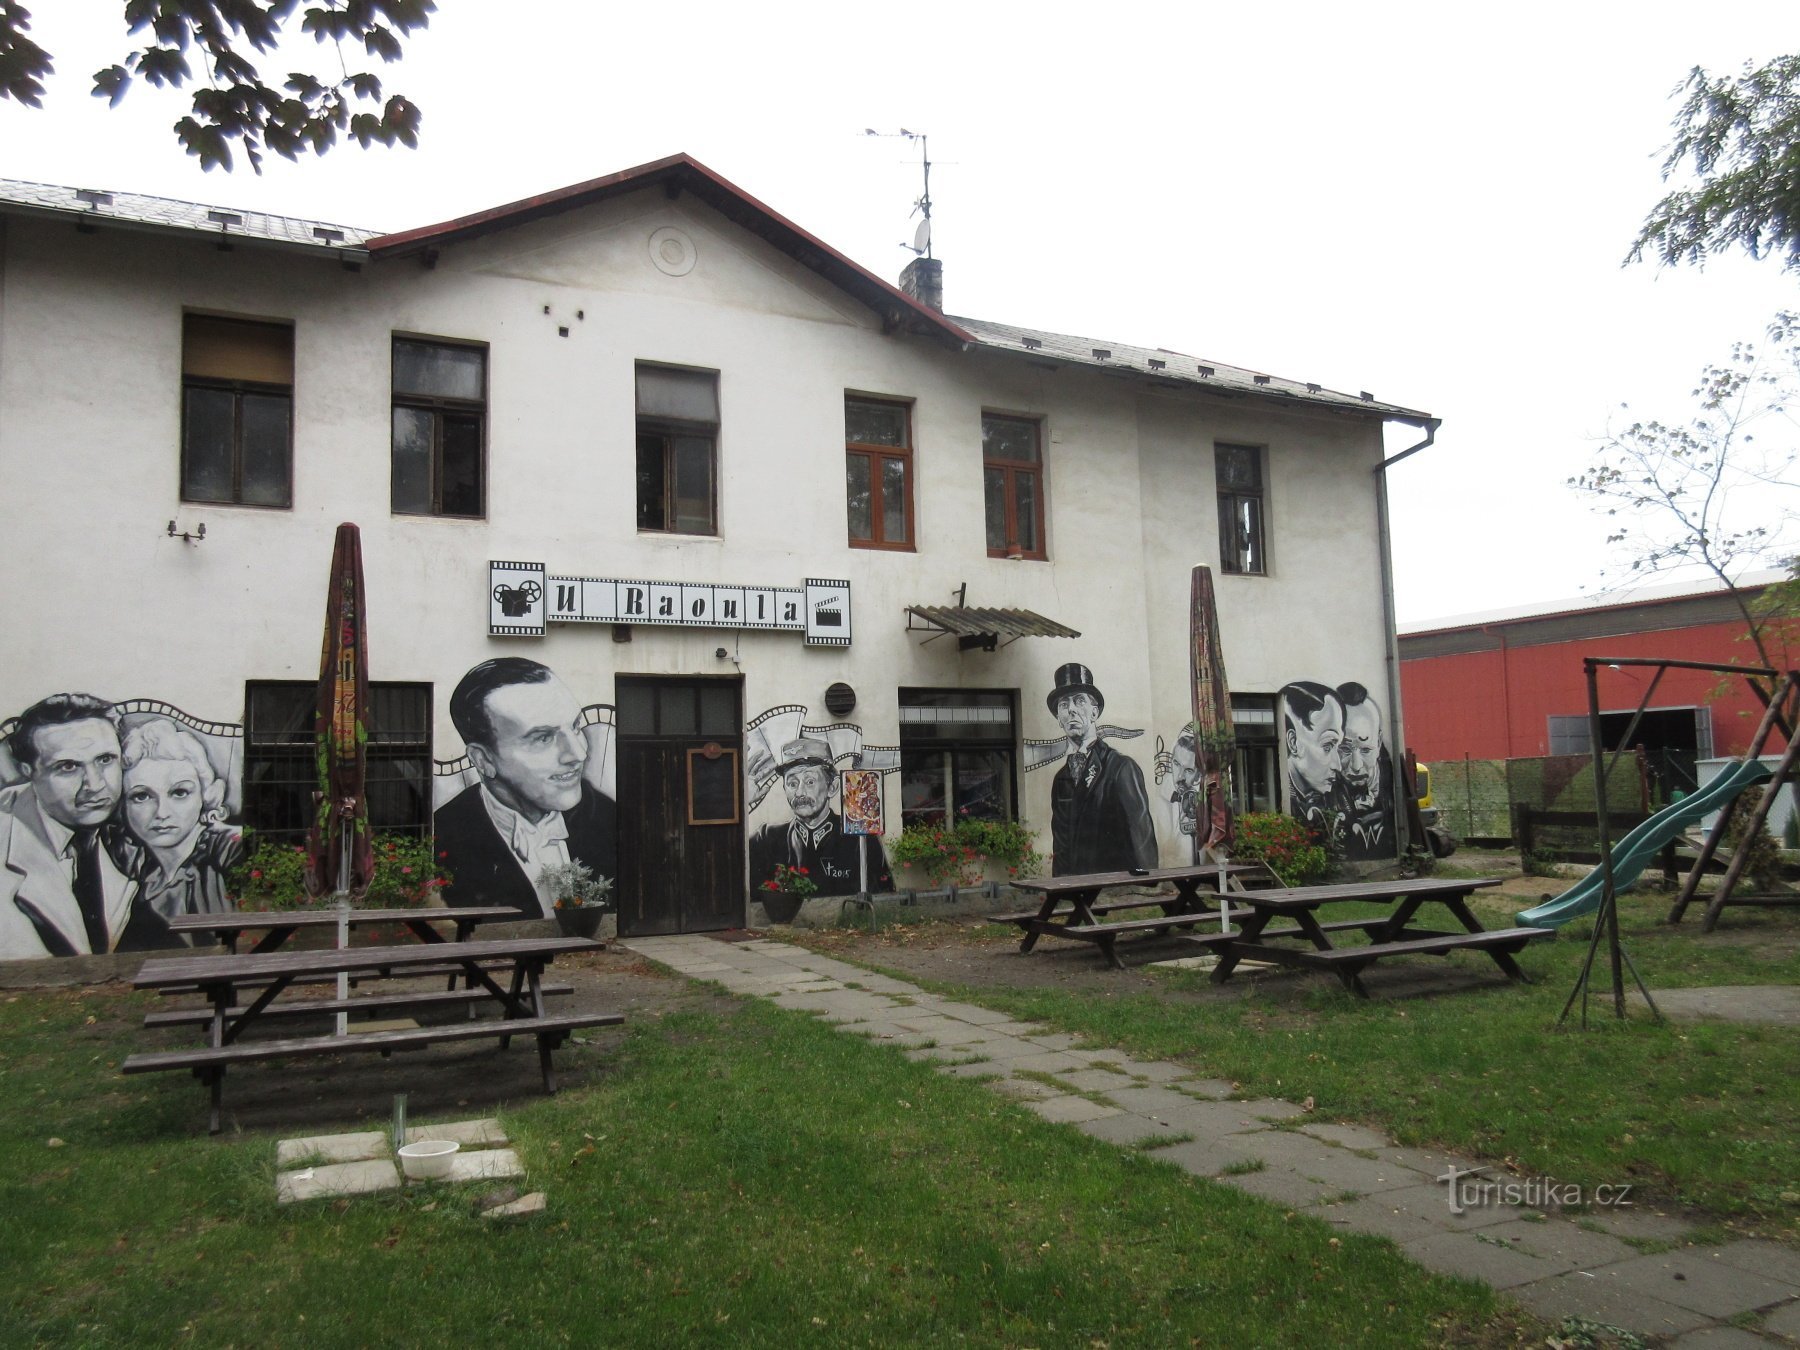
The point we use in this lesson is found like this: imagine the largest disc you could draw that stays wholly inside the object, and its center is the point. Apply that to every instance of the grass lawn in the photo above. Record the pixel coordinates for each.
(1701, 1114)
(744, 1177)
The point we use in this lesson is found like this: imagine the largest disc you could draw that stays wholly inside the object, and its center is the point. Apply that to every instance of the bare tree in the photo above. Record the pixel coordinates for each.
(1709, 493)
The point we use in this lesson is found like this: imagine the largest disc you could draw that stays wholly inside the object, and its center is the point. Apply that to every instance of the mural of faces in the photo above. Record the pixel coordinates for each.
(140, 803)
(533, 757)
(812, 841)
(1340, 775)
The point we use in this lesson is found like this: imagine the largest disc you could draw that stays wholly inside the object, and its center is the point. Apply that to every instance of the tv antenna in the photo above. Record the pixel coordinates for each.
(921, 240)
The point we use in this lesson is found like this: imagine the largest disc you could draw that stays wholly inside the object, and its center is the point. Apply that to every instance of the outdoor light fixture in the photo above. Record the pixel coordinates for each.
(198, 533)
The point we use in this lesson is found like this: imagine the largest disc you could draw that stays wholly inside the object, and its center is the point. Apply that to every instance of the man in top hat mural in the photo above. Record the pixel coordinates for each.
(1099, 811)
(815, 838)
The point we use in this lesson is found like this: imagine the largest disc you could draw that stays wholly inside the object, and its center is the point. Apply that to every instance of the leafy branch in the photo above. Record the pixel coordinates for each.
(235, 103)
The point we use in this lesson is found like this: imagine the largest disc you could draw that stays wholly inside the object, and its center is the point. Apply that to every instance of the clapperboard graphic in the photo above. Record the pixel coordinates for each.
(827, 613)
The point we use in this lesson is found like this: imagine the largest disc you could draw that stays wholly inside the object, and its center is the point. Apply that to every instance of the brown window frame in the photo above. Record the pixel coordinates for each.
(238, 389)
(877, 457)
(440, 407)
(1011, 470)
(736, 778)
(657, 433)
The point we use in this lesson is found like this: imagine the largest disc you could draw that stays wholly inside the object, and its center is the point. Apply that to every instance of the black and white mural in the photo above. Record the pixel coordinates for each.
(1178, 776)
(535, 787)
(1340, 775)
(114, 818)
(1100, 819)
(808, 835)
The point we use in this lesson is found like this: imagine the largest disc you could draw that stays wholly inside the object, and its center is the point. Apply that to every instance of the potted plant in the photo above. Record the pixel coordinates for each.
(579, 897)
(784, 893)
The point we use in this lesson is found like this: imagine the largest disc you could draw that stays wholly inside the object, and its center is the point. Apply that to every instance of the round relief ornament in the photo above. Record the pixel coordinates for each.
(672, 251)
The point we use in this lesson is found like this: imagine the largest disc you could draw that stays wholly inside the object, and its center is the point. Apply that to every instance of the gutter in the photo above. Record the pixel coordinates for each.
(1390, 623)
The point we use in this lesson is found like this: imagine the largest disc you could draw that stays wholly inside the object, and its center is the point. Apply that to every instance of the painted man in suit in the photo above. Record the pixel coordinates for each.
(532, 807)
(63, 889)
(1365, 793)
(837, 863)
(1099, 811)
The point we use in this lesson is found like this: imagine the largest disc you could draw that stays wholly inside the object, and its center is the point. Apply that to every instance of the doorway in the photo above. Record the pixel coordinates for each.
(681, 797)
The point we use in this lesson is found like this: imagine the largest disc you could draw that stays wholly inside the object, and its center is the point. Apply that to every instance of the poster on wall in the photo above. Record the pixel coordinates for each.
(861, 790)
(114, 818)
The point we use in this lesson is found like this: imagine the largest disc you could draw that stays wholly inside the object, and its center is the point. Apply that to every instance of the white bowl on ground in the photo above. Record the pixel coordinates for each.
(428, 1158)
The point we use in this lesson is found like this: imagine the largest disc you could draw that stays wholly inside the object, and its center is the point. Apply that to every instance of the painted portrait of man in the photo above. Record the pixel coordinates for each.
(1364, 793)
(533, 805)
(814, 839)
(65, 887)
(1314, 735)
(1099, 810)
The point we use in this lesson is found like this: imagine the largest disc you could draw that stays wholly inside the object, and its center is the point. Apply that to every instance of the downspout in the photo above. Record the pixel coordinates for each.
(1390, 624)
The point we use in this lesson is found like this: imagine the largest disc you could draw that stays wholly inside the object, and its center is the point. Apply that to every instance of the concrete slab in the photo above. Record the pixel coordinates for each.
(1784, 1321)
(1690, 1279)
(1066, 1110)
(1157, 1071)
(1096, 1080)
(523, 1207)
(1720, 1338)
(487, 1164)
(1212, 1089)
(1476, 1256)
(1562, 1239)
(1336, 1169)
(1772, 1004)
(1127, 1130)
(1046, 1062)
(1432, 1201)
(980, 1072)
(1376, 1215)
(339, 1179)
(1154, 1100)
(1204, 1157)
(487, 1133)
(1281, 1186)
(1270, 1108)
(1768, 1259)
(1350, 1136)
(1640, 1225)
(1026, 1089)
(1580, 1295)
(333, 1148)
(1054, 1040)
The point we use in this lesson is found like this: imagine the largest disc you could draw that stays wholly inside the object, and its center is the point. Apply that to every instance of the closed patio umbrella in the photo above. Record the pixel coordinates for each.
(1215, 735)
(340, 857)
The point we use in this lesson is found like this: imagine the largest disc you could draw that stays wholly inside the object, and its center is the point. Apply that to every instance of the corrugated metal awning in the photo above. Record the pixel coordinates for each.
(982, 627)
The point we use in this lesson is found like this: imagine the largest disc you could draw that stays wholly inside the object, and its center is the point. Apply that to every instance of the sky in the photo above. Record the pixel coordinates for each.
(1430, 202)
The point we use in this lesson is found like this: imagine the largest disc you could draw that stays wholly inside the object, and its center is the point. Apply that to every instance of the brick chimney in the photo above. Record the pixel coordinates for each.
(923, 280)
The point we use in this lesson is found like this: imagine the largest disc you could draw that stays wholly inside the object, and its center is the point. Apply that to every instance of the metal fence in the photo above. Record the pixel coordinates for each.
(1475, 797)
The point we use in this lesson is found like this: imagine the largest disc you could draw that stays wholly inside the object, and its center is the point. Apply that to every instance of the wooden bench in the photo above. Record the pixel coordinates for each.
(1392, 934)
(222, 978)
(321, 1007)
(278, 925)
(1072, 907)
(1103, 935)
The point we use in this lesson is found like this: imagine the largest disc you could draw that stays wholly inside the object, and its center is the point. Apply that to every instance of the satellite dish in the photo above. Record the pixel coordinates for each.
(922, 236)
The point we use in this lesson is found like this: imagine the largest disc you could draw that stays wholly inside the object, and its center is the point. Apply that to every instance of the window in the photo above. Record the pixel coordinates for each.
(1238, 469)
(677, 450)
(956, 755)
(281, 772)
(1253, 781)
(878, 471)
(1012, 473)
(440, 428)
(237, 404)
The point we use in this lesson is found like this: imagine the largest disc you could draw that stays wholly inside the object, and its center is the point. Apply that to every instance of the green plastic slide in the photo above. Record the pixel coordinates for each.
(1637, 850)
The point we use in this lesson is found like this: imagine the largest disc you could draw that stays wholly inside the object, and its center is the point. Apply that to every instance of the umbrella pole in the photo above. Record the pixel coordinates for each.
(346, 834)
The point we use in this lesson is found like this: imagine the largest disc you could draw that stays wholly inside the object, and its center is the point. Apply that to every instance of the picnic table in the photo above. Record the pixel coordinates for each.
(1393, 934)
(278, 925)
(520, 961)
(1197, 885)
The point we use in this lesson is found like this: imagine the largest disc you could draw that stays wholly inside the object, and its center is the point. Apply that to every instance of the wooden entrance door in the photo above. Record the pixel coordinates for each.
(681, 805)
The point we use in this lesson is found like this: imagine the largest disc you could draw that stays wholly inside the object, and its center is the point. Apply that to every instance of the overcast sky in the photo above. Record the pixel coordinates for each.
(1427, 201)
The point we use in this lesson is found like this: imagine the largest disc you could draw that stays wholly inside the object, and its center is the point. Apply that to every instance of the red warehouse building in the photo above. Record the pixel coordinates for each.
(1510, 685)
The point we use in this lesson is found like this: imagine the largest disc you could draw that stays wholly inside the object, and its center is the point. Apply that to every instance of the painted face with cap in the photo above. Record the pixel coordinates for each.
(808, 788)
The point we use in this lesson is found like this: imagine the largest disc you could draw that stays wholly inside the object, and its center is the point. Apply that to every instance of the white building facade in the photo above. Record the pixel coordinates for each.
(655, 381)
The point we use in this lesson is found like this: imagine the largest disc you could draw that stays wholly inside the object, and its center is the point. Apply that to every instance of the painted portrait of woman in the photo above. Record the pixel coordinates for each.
(174, 807)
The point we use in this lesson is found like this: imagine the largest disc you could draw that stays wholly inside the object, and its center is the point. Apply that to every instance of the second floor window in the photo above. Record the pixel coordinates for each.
(1012, 475)
(440, 428)
(677, 450)
(1242, 535)
(237, 411)
(878, 473)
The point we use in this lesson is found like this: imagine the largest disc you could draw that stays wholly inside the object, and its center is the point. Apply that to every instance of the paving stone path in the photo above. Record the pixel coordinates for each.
(1739, 1293)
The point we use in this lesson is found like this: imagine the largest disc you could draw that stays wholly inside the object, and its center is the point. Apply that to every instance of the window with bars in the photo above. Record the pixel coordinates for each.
(958, 755)
(237, 411)
(1243, 529)
(281, 772)
(1012, 478)
(677, 450)
(878, 473)
(440, 428)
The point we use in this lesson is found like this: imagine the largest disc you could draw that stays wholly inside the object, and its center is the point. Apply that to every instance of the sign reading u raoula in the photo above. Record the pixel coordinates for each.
(522, 599)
